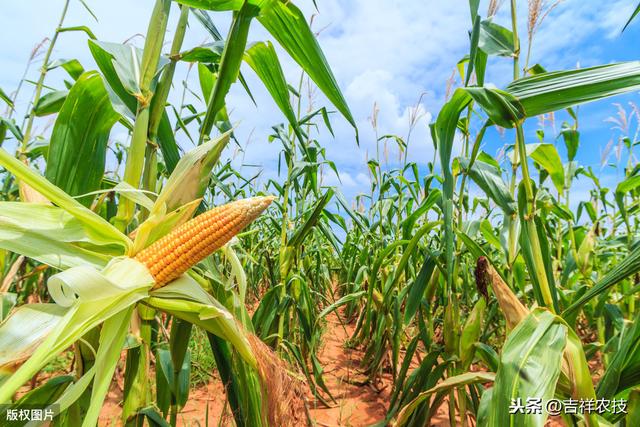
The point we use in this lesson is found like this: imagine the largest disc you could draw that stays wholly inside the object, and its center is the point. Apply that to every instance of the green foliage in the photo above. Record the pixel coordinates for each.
(399, 262)
(78, 145)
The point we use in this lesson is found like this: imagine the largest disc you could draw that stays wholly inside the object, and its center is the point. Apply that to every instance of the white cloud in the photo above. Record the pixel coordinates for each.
(344, 179)
(561, 40)
(383, 52)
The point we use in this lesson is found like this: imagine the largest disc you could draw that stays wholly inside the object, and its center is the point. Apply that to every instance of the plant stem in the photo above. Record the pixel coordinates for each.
(516, 41)
(534, 242)
(159, 101)
(513, 221)
(40, 84)
(137, 393)
(135, 157)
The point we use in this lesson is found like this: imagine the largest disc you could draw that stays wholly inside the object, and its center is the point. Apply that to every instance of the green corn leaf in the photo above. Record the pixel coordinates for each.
(633, 416)
(444, 131)
(628, 266)
(264, 61)
(418, 287)
(182, 386)
(215, 5)
(229, 67)
(529, 366)
(495, 39)
(448, 384)
(52, 236)
(629, 184)
(8, 300)
(632, 17)
(547, 156)
(165, 382)
(488, 355)
(208, 24)
(167, 143)
(120, 67)
(98, 227)
(553, 91)
(50, 103)
(473, 52)
(154, 418)
(71, 66)
(304, 229)
(6, 98)
(78, 145)
(622, 370)
(571, 139)
(209, 53)
(342, 301)
(117, 66)
(288, 26)
(82, 28)
(207, 79)
(46, 393)
(12, 127)
(502, 107)
(112, 337)
(408, 252)
(488, 233)
(241, 384)
(488, 178)
(206, 21)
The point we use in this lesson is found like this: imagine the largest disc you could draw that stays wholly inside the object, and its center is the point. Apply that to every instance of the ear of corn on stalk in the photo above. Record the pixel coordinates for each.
(514, 311)
(188, 244)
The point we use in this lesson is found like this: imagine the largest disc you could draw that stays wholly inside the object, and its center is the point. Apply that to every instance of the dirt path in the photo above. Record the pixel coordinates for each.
(356, 405)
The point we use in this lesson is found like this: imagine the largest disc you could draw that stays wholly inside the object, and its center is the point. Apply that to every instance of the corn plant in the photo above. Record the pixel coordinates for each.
(542, 355)
(125, 257)
(471, 280)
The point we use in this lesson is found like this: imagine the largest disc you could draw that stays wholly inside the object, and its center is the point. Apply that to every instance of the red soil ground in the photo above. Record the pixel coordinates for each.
(356, 404)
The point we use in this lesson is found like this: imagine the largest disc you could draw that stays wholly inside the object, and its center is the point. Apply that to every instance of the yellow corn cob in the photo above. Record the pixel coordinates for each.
(196, 239)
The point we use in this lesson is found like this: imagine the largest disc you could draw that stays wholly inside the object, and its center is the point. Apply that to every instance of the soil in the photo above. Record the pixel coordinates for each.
(357, 403)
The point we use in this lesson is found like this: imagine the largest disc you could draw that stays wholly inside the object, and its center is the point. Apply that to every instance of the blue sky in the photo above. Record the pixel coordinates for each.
(388, 53)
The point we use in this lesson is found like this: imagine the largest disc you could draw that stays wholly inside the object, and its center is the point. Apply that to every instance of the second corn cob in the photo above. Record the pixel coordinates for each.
(514, 311)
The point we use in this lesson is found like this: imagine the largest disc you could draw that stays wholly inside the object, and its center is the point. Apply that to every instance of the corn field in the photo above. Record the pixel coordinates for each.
(139, 274)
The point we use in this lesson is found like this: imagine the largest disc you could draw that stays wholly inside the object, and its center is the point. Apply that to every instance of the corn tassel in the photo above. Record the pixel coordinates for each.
(190, 243)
